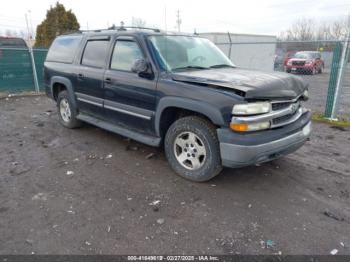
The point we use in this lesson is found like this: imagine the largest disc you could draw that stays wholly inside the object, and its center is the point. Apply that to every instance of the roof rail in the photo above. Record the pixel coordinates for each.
(124, 28)
(120, 28)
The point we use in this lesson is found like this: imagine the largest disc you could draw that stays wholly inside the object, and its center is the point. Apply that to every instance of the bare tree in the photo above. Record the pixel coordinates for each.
(11, 33)
(307, 29)
(302, 29)
(138, 22)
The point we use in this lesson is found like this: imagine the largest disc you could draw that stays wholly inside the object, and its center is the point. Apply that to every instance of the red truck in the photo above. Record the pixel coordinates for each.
(305, 62)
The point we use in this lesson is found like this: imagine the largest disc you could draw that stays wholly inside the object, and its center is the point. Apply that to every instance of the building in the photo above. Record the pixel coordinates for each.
(247, 51)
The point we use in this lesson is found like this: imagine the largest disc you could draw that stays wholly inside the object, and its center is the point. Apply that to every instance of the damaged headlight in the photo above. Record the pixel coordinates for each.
(251, 108)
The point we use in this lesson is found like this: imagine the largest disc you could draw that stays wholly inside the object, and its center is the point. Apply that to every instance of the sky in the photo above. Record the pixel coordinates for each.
(268, 17)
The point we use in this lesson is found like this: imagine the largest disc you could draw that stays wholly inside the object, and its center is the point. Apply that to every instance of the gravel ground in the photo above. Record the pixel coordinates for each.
(88, 191)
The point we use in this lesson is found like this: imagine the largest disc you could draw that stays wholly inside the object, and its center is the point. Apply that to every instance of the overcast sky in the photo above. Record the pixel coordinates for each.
(247, 16)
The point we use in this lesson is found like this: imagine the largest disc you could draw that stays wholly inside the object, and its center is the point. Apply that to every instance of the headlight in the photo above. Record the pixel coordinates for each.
(289, 62)
(251, 108)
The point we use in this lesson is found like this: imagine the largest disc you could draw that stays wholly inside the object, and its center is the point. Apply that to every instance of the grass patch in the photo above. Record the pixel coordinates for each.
(318, 117)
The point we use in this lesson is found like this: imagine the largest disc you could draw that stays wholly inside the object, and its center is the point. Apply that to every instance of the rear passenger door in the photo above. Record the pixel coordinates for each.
(89, 90)
(130, 99)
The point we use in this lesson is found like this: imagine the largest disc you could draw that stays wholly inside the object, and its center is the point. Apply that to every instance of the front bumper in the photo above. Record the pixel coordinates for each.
(238, 150)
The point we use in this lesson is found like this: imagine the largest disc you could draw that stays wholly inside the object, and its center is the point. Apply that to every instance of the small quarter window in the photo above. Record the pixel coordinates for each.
(95, 53)
(124, 55)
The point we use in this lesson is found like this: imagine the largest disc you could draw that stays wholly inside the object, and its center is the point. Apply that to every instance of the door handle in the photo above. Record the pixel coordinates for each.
(80, 76)
(108, 80)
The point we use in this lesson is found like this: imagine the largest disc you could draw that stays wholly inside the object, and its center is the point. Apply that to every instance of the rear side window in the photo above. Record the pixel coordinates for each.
(95, 53)
(124, 55)
(63, 49)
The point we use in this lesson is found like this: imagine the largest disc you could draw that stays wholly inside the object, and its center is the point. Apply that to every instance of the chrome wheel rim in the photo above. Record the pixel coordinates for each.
(65, 110)
(190, 151)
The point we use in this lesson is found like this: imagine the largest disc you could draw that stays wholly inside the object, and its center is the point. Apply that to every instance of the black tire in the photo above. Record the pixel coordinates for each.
(206, 132)
(313, 71)
(288, 70)
(73, 122)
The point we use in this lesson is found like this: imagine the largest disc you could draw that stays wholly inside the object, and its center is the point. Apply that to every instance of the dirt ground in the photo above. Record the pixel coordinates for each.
(88, 191)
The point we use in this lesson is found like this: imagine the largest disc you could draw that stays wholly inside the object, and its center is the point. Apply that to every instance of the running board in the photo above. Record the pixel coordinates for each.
(145, 139)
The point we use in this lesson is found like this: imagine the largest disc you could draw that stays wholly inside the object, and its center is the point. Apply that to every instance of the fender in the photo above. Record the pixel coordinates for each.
(68, 84)
(213, 113)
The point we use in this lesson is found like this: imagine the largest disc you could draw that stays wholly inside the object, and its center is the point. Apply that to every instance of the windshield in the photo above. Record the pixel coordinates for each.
(187, 52)
(303, 55)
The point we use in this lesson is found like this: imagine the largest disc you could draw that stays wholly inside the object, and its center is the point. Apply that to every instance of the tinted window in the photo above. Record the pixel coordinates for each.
(124, 55)
(95, 53)
(63, 49)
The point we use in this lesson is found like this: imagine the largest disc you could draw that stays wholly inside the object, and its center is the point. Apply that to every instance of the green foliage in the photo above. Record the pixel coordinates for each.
(58, 21)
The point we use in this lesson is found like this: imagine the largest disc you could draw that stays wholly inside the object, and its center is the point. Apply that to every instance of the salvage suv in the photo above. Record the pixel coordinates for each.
(180, 92)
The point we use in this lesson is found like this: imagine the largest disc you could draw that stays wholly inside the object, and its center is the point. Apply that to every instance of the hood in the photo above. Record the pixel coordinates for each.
(253, 84)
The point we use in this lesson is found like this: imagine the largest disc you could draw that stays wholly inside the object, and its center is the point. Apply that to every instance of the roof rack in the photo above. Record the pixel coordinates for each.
(124, 28)
(121, 28)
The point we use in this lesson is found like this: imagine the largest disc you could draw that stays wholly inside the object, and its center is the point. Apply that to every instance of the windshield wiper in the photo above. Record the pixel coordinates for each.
(190, 67)
(221, 65)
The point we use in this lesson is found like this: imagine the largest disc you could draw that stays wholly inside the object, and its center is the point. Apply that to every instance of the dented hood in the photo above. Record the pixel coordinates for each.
(253, 84)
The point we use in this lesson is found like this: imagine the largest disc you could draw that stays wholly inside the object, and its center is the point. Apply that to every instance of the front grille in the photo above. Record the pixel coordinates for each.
(278, 106)
(298, 63)
(282, 119)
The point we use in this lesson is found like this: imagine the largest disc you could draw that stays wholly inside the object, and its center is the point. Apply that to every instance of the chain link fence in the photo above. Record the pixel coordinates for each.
(17, 73)
(21, 68)
(316, 62)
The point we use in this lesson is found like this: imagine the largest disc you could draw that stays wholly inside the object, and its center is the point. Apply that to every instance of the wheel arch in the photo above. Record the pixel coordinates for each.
(58, 84)
(173, 106)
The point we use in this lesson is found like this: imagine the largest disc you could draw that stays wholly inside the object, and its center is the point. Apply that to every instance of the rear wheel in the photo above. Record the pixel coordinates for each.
(192, 149)
(66, 112)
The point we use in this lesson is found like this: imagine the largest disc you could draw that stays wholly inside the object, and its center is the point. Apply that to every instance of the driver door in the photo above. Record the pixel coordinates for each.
(129, 99)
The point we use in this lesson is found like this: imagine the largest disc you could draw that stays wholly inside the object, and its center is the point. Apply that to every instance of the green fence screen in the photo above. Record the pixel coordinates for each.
(39, 58)
(16, 72)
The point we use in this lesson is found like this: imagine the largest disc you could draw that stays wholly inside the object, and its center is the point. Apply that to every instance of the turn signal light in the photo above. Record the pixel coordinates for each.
(239, 127)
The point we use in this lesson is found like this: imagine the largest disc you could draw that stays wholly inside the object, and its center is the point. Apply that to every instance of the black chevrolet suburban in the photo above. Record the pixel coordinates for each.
(177, 91)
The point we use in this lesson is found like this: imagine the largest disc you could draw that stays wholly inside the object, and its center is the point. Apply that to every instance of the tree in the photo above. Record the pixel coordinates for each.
(138, 22)
(308, 30)
(58, 21)
(303, 29)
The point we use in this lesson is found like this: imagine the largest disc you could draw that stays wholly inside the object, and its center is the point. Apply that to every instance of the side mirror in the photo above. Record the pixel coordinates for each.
(139, 66)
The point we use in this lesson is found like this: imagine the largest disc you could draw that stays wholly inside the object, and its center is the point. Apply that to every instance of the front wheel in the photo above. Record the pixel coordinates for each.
(314, 71)
(192, 149)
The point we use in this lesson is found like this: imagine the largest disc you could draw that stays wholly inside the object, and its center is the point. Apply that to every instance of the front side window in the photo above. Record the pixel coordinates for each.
(95, 53)
(124, 55)
(184, 52)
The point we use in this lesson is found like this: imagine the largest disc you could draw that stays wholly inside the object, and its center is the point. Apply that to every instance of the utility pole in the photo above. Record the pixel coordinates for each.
(178, 20)
(31, 24)
(28, 31)
(31, 55)
(165, 18)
